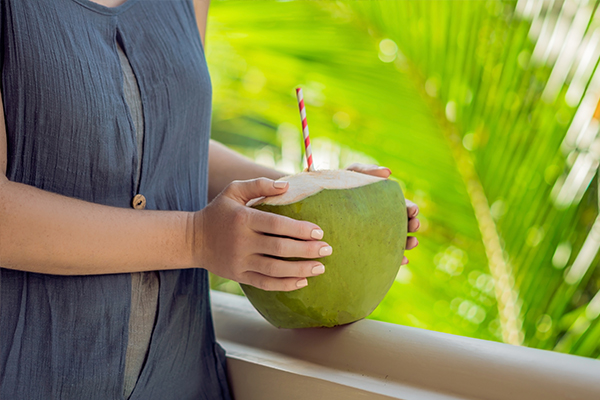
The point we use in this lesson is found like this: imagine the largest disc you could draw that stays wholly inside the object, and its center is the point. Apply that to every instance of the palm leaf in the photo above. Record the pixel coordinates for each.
(464, 103)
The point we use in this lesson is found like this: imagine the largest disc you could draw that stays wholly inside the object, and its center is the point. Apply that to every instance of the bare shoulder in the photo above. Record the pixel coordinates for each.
(201, 4)
(201, 8)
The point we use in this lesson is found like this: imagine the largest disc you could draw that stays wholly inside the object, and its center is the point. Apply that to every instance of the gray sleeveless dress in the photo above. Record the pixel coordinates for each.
(71, 129)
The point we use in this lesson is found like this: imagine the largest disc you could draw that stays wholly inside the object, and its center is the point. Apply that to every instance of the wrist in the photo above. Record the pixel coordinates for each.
(193, 239)
(178, 233)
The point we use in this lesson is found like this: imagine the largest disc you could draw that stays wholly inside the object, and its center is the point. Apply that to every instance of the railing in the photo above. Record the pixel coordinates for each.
(376, 360)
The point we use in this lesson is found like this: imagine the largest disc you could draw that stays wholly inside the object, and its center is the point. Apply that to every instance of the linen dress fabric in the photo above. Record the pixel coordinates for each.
(70, 131)
(144, 285)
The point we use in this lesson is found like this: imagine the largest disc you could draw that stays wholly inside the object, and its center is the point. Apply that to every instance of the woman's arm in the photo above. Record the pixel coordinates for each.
(48, 233)
(225, 166)
(201, 9)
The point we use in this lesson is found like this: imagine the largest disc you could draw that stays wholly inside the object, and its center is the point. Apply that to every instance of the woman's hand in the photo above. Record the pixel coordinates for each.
(241, 243)
(412, 209)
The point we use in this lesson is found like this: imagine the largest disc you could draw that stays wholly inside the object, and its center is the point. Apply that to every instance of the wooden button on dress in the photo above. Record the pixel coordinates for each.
(139, 202)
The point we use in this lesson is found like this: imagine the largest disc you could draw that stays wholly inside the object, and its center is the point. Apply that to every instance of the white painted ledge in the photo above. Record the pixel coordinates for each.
(376, 360)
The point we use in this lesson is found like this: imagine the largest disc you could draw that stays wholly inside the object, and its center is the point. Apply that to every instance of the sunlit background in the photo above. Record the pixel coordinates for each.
(486, 112)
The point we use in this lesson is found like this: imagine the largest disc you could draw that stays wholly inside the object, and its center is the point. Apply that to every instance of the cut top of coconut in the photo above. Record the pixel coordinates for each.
(306, 184)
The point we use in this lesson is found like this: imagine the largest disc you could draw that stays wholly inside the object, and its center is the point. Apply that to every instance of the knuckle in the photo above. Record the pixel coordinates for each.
(267, 284)
(303, 227)
(239, 248)
(239, 277)
(279, 247)
(239, 274)
(308, 269)
(301, 269)
(240, 216)
(232, 186)
(276, 223)
(269, 269)
(260, 182)
(290, 285)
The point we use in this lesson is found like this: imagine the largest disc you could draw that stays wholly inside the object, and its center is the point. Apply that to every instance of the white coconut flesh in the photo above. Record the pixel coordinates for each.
(308, 184)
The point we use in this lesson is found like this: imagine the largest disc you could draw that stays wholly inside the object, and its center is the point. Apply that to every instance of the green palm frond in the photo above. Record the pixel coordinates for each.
(469, 104)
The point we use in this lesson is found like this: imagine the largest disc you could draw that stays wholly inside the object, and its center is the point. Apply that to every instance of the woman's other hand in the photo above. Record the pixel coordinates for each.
(247, 245)
(412, 210)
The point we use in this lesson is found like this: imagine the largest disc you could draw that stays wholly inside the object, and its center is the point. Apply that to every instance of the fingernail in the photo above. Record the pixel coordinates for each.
(386, 168)
(418, 226)
(280, 184)
(325, 251)
(302, 283)
(318, 270)
(316, 234)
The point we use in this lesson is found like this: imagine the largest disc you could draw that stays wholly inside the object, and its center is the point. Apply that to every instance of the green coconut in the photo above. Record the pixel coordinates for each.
(364, 220)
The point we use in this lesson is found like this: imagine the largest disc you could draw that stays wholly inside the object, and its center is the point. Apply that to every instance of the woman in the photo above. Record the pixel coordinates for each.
(105, 237)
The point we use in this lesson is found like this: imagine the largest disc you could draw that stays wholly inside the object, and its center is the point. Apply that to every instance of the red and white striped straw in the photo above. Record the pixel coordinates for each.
(308, 151)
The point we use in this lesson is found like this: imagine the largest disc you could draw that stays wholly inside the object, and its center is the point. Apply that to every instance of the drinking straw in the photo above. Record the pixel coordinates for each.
(308, 151)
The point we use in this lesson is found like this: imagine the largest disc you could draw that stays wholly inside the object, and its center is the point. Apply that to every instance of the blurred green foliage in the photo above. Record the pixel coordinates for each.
(483, 122)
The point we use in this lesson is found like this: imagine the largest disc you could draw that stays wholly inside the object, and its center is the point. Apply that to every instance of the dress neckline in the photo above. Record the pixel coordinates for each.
(99, 8)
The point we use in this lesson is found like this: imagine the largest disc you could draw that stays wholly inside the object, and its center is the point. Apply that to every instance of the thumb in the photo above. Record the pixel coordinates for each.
(372, 169)
(244, 191)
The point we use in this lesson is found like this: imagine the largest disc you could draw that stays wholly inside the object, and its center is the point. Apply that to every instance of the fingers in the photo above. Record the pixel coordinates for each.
(274, 284)
(272, 274)
(244, 191)
(288, 248)
(412, 210)
(414, 224)
(372, 169)
(274, 224)
(411, 242)
(276, 268)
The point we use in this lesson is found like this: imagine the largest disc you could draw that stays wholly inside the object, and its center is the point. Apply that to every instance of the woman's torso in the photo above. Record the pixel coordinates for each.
(70, 131)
